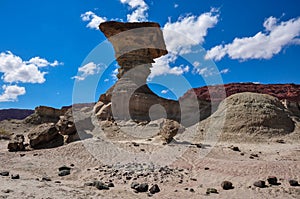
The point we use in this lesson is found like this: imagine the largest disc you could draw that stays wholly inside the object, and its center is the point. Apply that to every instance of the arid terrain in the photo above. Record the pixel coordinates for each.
(250, 137)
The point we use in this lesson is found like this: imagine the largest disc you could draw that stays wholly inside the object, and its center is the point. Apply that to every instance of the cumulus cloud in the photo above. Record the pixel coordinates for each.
(263, 45)
(139, 8)
(192, 30)
(87, 70)
(16, 70)
(162, 67)
(11, 93)
(93, 19)
(41, 62)
(224, 71)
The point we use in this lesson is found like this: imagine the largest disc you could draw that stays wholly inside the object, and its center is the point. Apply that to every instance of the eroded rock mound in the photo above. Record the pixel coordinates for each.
(44, 114)
(249, 116)
(169, 129)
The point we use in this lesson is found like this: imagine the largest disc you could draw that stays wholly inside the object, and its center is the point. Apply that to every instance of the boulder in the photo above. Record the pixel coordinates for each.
(45, 136)
(16, 143)
(169, 129)
(226, 185)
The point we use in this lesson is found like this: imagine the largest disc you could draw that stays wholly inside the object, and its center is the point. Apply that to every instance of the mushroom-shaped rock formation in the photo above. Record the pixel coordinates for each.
(136, 46)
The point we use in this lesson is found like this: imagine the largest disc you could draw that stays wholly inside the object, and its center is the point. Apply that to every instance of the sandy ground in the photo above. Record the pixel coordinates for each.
(280, 160)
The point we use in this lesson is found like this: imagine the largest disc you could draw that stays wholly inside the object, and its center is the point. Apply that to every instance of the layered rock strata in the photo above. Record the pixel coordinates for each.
(136, 46)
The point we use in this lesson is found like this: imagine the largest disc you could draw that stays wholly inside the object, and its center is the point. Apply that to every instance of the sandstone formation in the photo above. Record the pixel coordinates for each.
(136, 46)
(44, 114)
(249, 116)
(45, 136)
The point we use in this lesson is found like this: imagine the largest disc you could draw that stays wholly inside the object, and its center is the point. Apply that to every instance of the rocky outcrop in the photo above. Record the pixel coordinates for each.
(45, 136)
(16, 143)
(248, 117)
(136, 46)
(70, 128)
(44, 114)
(18, 114)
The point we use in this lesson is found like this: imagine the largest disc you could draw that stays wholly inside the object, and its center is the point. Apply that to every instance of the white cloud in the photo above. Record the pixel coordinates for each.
(176, 5)
(139, 8)
(87, 70)
(162, 67)
(14, 69)
(11, 93)
(224, 71)
(93, 19)
(263, 45)
(192, 30)
(196, 64)
(106, 80)
(41, 62)
(164, 91)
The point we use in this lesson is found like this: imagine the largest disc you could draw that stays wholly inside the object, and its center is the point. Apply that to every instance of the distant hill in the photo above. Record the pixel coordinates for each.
(15, 114)
(290, 92)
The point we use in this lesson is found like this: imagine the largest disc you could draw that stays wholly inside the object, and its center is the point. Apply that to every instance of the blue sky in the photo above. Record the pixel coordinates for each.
(46, 47)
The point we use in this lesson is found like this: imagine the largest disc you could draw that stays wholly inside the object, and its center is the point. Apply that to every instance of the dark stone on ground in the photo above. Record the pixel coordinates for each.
(142, 187)
(192, 190)
(46, 178)
(4, 173)
(16, 143)
(294, 183)
(226, 185)
(15, 176)
(272, 180)
(211, 190)
(64, 168)
(100, 185)
(154, 189)
(260, 184)
(64, 173)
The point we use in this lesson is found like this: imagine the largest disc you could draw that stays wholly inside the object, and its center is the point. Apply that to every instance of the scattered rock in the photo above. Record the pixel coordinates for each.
(46, 178)
(16, 143)
(64, 168)
(64, 173)
(260, 184)
(272, 180)
(206, 168)
(100, 185)
(235, 148)
(44, 114)
(4, 173)
(7, 191)
(226, 185)
(15, 176)
(154, 189)
(134, 185)
(293, 183)
(211, 190)
(110, 184)
(280, 141)
(192, 190)
(142, 187)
